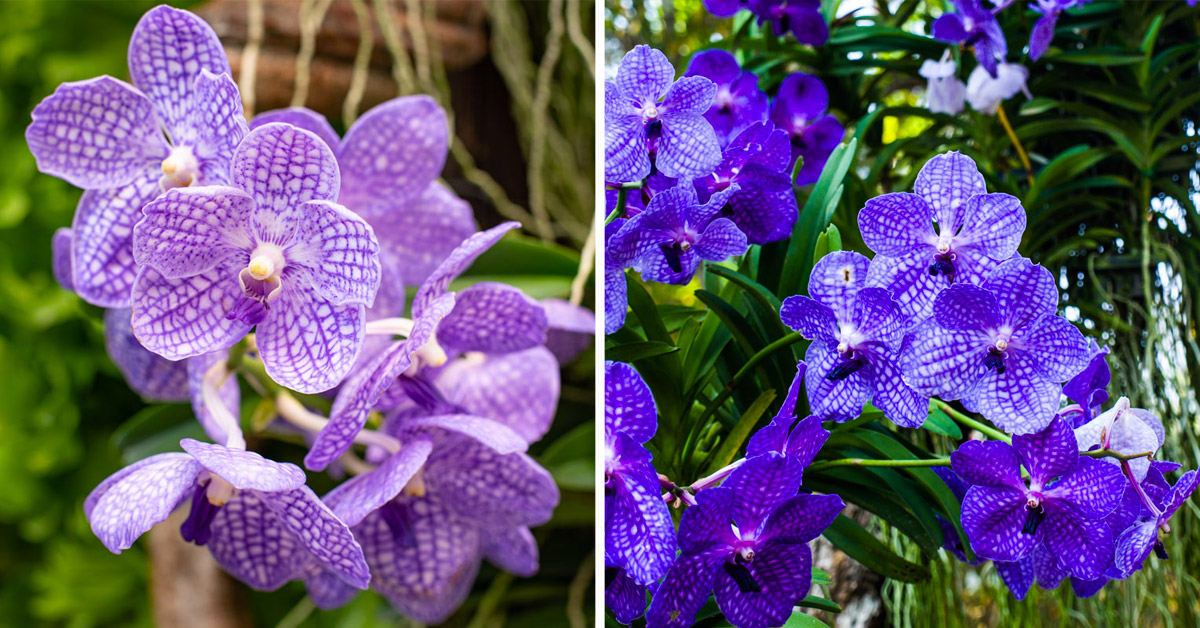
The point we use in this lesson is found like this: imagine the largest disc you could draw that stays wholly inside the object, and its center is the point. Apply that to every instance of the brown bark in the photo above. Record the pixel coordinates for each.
(187, 588)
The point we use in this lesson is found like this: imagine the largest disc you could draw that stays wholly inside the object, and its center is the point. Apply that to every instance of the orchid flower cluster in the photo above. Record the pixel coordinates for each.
(948, 309)
(801, 18)
(974, 26)
(703, 166)
(281, 253)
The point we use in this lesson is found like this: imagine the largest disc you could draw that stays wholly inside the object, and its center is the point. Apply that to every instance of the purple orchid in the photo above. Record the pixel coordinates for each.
(802, 18)
(639, 535)
(1063, 505)
(107, 137)
(666, 242)
(1088, 389)
(951, 542)
(856, 333)
(616, 299)
(486, 318)
(1126, 430)
(389, 162)
(570, 329)
(757, 162)
(799, 109)
(274, 252)
(637, 125)
(739, 102)
(256, 516)
(975, 232)
(747, 543)
(1000, 348)
(974, 26)
(986, 93)
(944, 93)
(1159, 500)
(1043, 30)
(798, 440)
(624, 597)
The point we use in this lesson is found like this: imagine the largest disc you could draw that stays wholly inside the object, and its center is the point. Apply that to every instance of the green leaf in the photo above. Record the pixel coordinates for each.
(156, 429)
(814, 218)
(830, 241)
(820, 577)
(518, 254)
(860, 545)
(801, 620)
(813, 601)
(537, 286)
(732, 443)
(1097, 56)
(632, 352)
(939, 422)
(570, 459)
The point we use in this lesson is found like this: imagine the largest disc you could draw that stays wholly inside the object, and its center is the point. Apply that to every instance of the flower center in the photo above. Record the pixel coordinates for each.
(1034, 514)
(261, 282)
(210, 495)
(943, 263)
(724, 100)
(399, 522)
(649, 112)
(179, 169)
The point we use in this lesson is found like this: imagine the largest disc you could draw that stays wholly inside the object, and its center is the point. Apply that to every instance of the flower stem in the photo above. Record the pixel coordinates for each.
(717, 476)
(1012, 135)
(866, 462)
(295, 413)
(985, 429)
(1112, 453)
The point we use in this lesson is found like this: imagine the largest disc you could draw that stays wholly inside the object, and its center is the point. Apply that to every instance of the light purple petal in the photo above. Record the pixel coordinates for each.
(283, 166)
(1019, 400)
(361, 495)
(229, 393)
(879, 319)
(947, 182)
(245, 469)
(304, 118)
(182, 318)
(759, 485)
(684, 590)
(518, 389)
(944, 363)
(688, 147)
(189, 231)
(988, 463)
(167, 51)
(901, 404)
(991, 223)
(993, 518)
(394, 151)
(1049, 453)
(129, 502)
(909, 280)
(784, 574)
(96, 134)
(320, 532)
(967, 308)
(493, 318)
(690, 94)
(363, 389)
(61, 246)
(214, 126)
(251, 543)
(1057, 345)
(492, 434)
(626, 157)
(103, 250)
(897, 224)
(836, 279)
(802, 518)
(336, 251)
(812, 319)
(492, 488)
(629, 406)
(308, 344)
(644, 74)
(572, 329)
(1094, 489)
(514, 550)
(834, 400)
(1024, 291)
(149, 375)
(326, 589)
(456, 263)
(1084, 547)
(421, 233)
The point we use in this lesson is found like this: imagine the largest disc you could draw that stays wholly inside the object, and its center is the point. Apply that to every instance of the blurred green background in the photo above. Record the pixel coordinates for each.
(1111, 199)
(67, 418)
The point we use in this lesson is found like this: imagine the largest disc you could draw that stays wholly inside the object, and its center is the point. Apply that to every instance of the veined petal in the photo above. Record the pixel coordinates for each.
(363, 494)
(993, 223)
(909, 280)
(626, 155)
(326, 589)
(96, 134)
(639, 532)
(517, 389)
(458, 261)
(302, 117)
(895, 224)
(515, 550)
(102, 256)
(1048, 453)
(616, 300)
(988, 463)
(806, 440)
(1134, 545)
(1024, 291)
(149, 375)
(307, 343)
(690, 94)
(1018, 575)
(783, 573)
(251, 543)
(878, 317)
(644, 74)
(182, 318)
(1058, 347)
(901, 404)
(625, 598)
(1084, 547)
(992, 517)
(802, 518)
(493, 318)
(169, 48)
(688, 147)
(229, 393)
(190, 230)
(244, 469)
(1093, 490)
(320, 532)
(492, 434)
(812, 319)
(337, 253)
(836, 279)
(214, 126)
(393, 151)
(966, 308)
(835, 400)
(709, 523)
(629, 406)
(1019, 400)
(947, 182)
(282, 167)
(685, 589)
(129, 502)
(494, 489)
(721, 240)
(421, 233)
(944, 363)
(759, 485)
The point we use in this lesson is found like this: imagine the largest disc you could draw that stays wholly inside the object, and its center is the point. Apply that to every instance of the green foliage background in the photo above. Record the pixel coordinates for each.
(1112, 206)
(67, 418)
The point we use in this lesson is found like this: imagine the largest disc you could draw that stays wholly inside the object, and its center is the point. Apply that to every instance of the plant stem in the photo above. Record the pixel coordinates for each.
(1012, 135)
(1112, 453)
(987, 430)
(866, 462)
